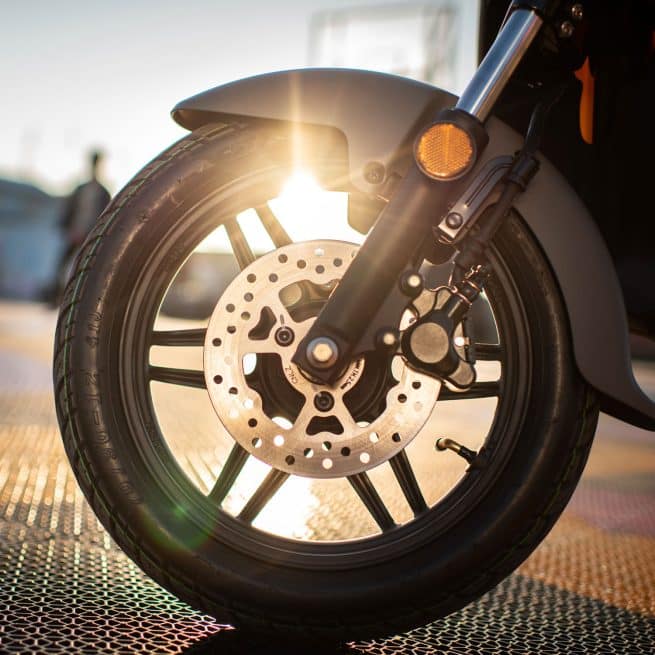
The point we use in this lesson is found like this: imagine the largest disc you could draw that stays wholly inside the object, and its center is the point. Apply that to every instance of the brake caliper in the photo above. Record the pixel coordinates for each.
(437, 343)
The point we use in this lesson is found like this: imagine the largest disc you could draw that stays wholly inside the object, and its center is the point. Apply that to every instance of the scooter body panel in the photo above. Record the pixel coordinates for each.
(380, 115)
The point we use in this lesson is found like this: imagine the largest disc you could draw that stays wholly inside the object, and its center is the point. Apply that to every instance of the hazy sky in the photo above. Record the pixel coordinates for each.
(75, 73)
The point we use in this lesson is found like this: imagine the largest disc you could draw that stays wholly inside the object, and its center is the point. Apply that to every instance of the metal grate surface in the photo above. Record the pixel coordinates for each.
(66, 588)
(62, 594)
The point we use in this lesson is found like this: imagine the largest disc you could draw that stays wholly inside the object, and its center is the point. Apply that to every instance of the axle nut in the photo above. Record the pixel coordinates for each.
(322, 352)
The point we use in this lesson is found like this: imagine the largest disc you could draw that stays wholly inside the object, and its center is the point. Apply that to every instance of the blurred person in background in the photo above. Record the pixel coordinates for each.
(81, 210)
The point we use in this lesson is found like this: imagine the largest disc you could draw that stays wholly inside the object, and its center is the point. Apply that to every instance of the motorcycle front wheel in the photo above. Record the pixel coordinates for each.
(235, 482)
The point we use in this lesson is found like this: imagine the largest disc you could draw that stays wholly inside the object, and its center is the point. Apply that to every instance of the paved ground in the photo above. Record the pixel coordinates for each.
(64, 587)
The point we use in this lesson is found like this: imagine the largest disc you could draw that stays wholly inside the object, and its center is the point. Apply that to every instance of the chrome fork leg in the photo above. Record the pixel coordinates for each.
(499, 63)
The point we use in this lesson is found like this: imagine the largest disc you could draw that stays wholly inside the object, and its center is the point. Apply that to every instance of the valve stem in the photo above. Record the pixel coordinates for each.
(444, 443)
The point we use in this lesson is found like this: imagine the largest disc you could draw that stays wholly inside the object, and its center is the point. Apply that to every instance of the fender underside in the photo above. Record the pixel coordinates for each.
(379, 115)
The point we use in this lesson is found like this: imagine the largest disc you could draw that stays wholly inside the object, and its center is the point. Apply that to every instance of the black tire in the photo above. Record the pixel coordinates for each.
(409, 585)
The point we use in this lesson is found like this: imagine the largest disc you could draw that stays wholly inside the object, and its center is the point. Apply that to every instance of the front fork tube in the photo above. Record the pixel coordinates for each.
(505, 54)
(401, 230)
(405, 223)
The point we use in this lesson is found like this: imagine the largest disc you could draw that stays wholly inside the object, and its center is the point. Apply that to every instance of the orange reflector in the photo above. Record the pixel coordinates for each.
(444, 151)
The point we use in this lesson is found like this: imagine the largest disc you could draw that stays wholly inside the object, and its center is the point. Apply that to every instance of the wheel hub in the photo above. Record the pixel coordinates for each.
(270, 407)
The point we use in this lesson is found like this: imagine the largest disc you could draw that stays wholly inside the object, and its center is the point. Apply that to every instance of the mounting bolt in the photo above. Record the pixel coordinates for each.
(374, 172)
(411, 283)
(284, 336)
(323, 401)
(577, 11)
(322, 352)
(454, 221)
(566, 29)
(387, 338)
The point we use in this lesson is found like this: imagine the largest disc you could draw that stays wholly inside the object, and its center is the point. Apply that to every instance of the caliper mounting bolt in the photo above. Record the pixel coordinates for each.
(411, 283)
(387, 338)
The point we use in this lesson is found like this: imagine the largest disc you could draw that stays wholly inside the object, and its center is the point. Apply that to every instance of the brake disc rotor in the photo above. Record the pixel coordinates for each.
(256, 319)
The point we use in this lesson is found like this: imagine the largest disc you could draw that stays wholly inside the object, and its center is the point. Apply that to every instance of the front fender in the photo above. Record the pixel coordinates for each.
(380, 115)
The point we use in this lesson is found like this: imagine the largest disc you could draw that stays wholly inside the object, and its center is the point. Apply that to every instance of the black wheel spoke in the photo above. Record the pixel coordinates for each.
(242, 251)
(274, 228)
(266, 490)
(231, 469)
(488, 352)
(476, 390)
(362, 484)
(194, 337)
(179, 376)
(402, 469)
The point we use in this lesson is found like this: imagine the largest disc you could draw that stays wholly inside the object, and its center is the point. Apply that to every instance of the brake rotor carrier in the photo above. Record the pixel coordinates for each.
(244, 325)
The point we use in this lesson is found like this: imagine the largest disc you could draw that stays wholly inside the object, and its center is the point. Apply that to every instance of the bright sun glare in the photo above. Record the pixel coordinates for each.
(300, 190)
(305, 210)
